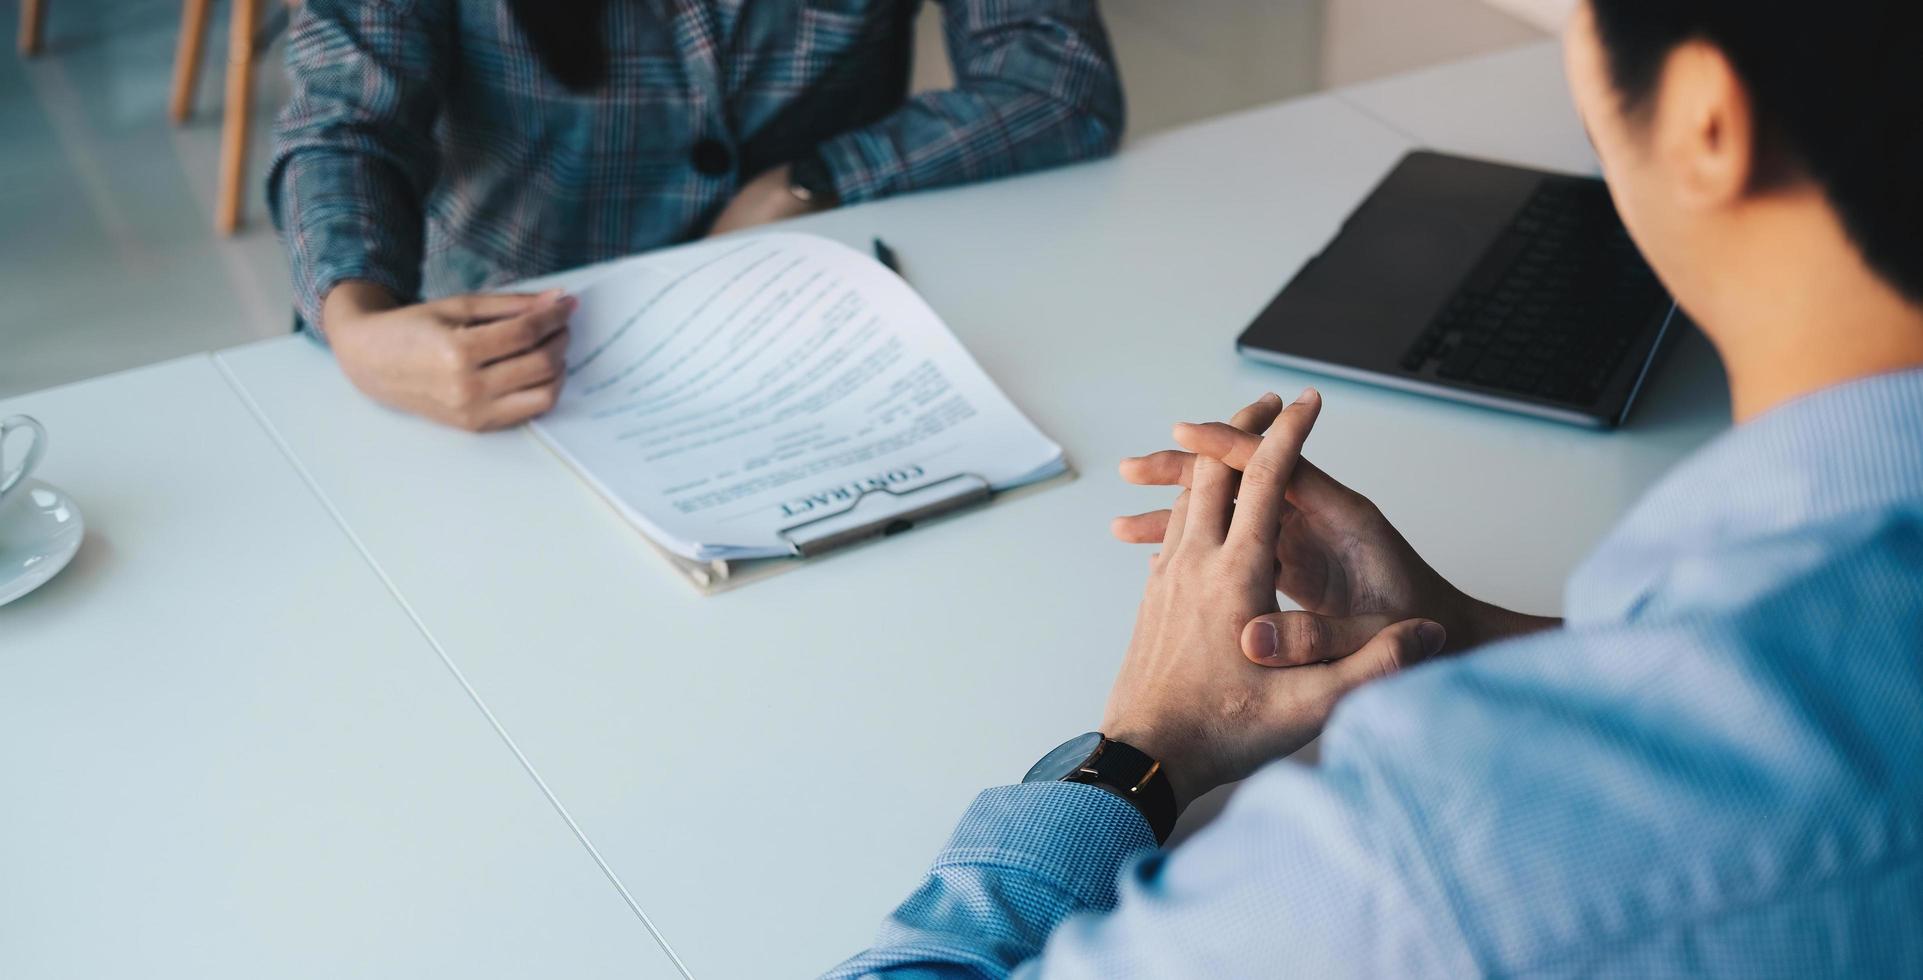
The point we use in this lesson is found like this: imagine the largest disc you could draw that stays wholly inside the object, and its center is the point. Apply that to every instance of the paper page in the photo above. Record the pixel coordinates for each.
(723, 393)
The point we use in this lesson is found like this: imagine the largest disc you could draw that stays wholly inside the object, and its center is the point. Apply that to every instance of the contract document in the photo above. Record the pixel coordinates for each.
(740, 399)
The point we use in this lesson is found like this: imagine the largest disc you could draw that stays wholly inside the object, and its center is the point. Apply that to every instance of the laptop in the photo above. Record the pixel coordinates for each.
(1500, 286)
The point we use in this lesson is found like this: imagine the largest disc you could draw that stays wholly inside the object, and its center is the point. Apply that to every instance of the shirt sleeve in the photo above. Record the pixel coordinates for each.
(1306, 873)
(1035, 86)
(354, 154)
(1023, 859)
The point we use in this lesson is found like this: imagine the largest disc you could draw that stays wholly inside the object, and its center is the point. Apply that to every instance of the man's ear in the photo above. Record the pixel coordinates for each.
(1705, 129)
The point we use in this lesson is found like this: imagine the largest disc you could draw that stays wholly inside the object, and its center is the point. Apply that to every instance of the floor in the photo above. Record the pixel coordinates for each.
(108, 258)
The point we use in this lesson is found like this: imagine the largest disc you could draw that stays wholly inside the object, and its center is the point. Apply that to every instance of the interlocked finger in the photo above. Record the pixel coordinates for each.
(1258, 511)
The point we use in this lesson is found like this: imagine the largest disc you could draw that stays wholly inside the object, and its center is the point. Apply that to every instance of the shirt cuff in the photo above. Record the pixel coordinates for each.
(1077, 837)
(863, 165)
(309, 301)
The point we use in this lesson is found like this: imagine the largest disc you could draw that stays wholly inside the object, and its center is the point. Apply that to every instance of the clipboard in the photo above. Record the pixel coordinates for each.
(834, 533)
(874, 514)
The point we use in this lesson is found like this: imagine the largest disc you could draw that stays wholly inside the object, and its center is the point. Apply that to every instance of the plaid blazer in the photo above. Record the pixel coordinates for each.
(425, 148)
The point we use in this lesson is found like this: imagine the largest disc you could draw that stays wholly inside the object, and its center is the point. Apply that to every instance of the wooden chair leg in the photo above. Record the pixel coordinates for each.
(33, 20)
(193, 29)
(240, 99)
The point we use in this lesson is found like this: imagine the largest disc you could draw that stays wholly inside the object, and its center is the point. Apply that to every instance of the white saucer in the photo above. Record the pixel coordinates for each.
(40, 529)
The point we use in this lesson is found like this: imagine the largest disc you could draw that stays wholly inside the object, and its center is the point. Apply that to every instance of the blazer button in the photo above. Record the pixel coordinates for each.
(711, 157)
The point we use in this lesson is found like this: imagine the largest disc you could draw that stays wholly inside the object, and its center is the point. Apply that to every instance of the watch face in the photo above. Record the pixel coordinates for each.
(1066, 758)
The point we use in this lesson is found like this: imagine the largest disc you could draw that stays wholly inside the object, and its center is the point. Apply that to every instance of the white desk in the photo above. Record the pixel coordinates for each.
(227, 752)
(769, 770)
(1512, 105)
(765, 772)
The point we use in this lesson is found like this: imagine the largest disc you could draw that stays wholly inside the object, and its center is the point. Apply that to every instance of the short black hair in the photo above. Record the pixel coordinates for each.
(1837, 91)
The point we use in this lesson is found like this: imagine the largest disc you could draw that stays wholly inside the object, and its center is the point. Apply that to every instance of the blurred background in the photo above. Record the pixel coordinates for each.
(109, 253)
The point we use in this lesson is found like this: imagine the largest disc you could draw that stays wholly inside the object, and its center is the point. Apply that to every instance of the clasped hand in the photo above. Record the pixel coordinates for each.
(1218, 680)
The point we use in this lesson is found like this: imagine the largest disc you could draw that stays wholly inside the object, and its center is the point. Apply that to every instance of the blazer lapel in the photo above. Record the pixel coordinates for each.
(698, 38)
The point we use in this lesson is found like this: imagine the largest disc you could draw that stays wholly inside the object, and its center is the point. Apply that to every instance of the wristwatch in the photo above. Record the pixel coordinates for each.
(811, 183)
(1117, 767)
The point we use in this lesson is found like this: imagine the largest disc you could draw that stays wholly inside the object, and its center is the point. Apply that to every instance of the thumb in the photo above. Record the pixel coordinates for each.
(1294, 638)
(1400, 645)
(477, 308)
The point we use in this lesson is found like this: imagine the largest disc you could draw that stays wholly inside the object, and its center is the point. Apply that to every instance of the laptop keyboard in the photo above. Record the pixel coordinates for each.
(1553, 307)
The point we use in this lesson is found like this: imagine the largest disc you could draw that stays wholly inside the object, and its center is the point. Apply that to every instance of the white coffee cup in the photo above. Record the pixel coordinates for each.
(14, 477)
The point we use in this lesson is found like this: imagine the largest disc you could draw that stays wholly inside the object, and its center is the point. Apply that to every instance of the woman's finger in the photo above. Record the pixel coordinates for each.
(539, 366)
(517, 407)
(513, 336)
(477, 308)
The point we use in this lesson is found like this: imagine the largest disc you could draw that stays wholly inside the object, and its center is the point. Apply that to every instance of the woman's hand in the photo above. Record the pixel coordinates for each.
(760, 201)
(475, 362)
(1336, 555)
(1186, 694)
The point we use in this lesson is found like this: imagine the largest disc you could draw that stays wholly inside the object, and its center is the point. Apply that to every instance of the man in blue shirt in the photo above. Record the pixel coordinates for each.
(1714, 765)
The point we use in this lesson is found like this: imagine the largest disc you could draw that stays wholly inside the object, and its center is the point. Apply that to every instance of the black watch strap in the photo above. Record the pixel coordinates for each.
(1133, 775)
(809, 179)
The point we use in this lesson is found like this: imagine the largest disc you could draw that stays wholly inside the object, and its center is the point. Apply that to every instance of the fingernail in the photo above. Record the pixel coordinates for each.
(1307, 393)
(1432, 636)
(570, 302)
(1270, 397)
(1265, 640)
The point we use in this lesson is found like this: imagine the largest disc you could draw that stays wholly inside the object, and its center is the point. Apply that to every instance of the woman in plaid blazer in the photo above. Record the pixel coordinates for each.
(443, 147)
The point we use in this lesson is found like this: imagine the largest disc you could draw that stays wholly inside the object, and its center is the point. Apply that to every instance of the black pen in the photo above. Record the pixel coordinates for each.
(886, 256)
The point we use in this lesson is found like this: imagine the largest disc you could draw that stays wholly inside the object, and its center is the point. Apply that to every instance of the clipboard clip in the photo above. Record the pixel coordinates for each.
(827, 532)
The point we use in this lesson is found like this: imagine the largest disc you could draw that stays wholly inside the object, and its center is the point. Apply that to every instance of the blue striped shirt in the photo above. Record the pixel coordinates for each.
(1715, 767)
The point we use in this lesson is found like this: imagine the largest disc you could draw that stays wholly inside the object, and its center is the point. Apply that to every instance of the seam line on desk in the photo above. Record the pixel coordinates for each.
(474, 696)
(1343, 95)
